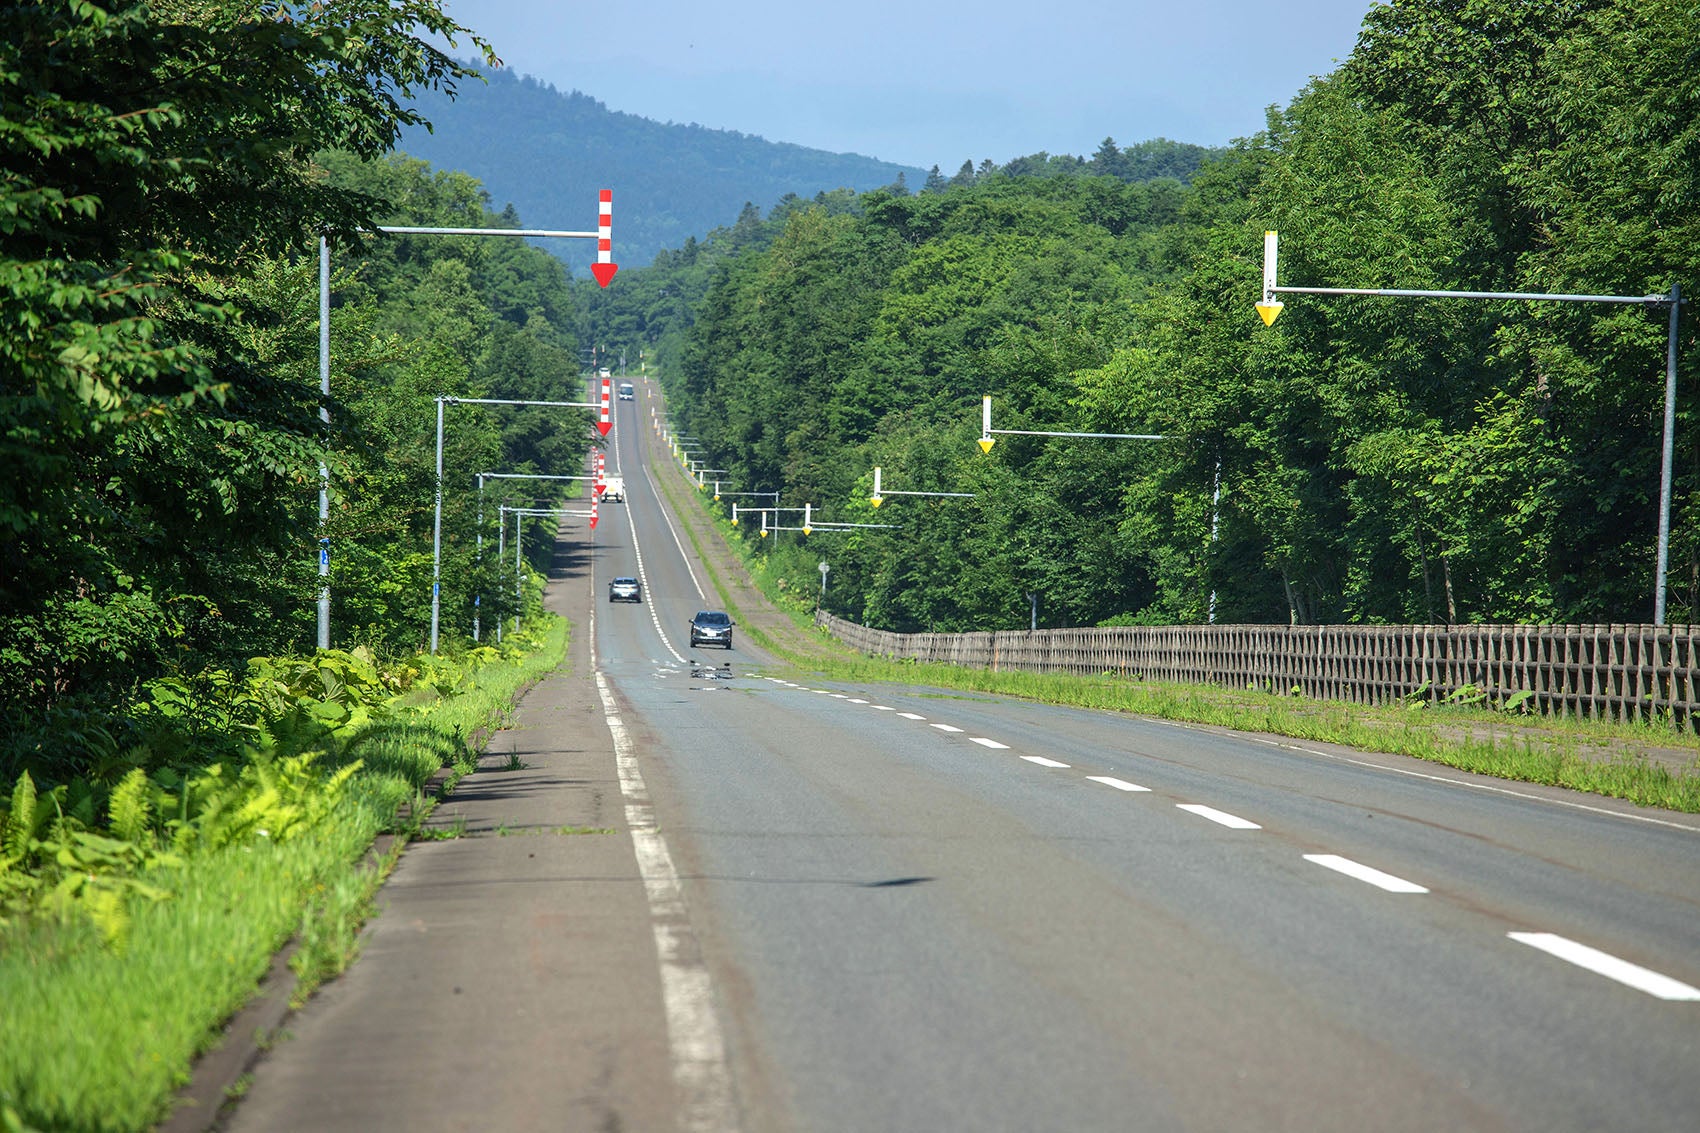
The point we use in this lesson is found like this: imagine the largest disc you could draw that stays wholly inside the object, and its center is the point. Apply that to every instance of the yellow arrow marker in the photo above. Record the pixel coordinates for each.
(876, 500)
(986, 444)
(1270, 312)
(717, 495)
(764, 535)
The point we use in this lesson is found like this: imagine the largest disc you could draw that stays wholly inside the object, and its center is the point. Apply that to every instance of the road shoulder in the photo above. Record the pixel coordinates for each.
(510, 980)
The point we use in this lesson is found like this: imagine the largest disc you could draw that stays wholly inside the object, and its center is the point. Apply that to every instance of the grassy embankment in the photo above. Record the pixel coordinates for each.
(1651, 764)
(103, 1017)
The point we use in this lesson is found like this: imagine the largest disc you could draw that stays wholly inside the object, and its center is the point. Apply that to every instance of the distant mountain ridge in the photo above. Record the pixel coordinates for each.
(549, 153)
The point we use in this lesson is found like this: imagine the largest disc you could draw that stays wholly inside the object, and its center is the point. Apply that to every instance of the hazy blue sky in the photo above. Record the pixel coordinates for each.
(932, 81)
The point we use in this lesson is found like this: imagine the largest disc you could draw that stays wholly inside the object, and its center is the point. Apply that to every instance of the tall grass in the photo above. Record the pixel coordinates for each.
(98, 1037)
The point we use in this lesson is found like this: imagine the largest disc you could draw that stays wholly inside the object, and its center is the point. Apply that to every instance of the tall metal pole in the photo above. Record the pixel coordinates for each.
(478, 599)
(603, 270)
(325, 418)
(437, 533)
(501, 553)
(1666, 459)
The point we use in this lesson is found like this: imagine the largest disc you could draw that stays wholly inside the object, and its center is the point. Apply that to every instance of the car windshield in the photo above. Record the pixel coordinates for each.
(625, 581)
(710, 618)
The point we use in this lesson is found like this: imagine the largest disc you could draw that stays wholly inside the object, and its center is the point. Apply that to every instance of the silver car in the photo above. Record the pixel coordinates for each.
(711, 627)
(625, 589)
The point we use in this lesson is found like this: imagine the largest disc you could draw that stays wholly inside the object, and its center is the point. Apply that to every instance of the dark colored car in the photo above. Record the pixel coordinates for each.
(711, 627)
(625, 590)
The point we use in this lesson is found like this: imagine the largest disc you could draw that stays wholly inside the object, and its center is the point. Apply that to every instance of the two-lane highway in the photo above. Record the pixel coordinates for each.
(909, 909)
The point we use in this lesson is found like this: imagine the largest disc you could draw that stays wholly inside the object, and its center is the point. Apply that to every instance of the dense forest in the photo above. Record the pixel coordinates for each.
(1362, 460)
(161, 404)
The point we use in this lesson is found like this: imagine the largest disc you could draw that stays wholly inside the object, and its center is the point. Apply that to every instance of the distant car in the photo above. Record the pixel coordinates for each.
(627, 393)
(625, 590)
(711, 627)
(614, 489)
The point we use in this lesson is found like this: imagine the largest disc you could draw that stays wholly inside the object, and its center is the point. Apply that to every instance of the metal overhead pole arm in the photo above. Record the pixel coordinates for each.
(1270, 310)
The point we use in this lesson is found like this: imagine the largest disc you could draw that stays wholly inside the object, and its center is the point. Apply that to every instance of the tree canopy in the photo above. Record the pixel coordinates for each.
(169, 169)
(1364, 459)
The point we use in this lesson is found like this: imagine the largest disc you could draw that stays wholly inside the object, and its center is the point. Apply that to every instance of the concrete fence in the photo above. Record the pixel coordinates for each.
(1600, 672)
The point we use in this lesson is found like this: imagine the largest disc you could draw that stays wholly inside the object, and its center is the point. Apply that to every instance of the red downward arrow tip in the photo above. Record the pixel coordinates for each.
(604, 273)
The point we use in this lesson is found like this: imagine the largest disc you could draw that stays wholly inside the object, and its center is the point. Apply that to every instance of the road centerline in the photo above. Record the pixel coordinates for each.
(1043, 762)
(1605, 964)
(1220, 817)
(1365, 873)
(1118, 784)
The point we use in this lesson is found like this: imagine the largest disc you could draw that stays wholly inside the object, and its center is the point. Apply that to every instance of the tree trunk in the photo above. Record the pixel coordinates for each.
(1451, 601)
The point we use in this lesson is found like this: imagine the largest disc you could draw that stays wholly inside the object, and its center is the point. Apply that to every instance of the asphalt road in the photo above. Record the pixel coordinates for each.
(923, 910)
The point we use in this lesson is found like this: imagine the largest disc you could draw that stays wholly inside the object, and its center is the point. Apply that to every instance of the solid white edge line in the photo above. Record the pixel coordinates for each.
(1489, 787)
(1118, 784)
(1042, 761)
(1365, 873)
(700, 1071)
(1220, 817)
(668, 520)
(983, 742)
(643, 574)
(1605, 964)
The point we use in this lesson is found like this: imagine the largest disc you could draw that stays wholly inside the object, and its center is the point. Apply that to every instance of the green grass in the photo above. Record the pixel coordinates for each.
(1601, 758)
(98, 1038)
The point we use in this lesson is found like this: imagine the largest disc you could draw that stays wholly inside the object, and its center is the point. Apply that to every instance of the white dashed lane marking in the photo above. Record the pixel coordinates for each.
(945, 727)
(883, 708)
(1607, 965)
(1042, 761)
(1222, 817)
(983, 742)
(1118, 784)
(911, 716)
(1365, 873)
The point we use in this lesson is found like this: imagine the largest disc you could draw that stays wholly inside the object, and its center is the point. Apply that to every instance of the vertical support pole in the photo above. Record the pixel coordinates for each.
(1270, 309)
(519, 573)
(501, 552)
(1666, 458)
(808, 517)
(324, 639)
(1215, 512)
(876, 494)
(437, 534)
(478, 599)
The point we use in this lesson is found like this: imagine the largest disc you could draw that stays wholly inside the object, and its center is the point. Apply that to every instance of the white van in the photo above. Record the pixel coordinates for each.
(626, 391)
(614, 488)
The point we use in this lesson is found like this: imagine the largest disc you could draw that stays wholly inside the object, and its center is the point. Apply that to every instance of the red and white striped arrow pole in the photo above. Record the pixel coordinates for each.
(605, 267)
(606, 421)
